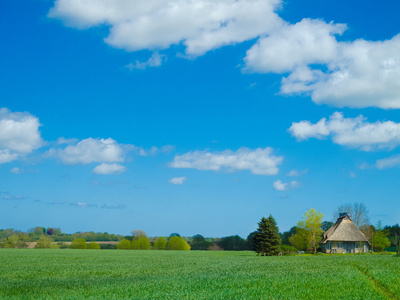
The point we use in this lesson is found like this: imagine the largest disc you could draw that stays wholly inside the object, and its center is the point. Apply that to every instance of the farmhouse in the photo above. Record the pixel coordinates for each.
(344, 237)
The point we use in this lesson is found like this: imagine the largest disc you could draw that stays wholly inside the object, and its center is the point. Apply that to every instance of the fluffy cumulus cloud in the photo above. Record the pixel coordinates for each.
(290, 46)
(354, 73)
(19, 134)
(106, 169)
(357, 73)
(177, 180)
(259, 161)
(285, 186)
(201, 25)
(92, 151)
(350, 132)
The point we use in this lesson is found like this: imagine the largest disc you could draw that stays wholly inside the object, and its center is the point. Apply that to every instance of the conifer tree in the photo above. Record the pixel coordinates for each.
(267, 239)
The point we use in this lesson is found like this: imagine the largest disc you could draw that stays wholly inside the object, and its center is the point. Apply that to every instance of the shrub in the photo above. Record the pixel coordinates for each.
(78, 244)
(177, 243)
(140, 243)
(160, 243)
(288, 250)
(107, 246)
(44, 242)
(124, 244)
(93, 245)
(62, 245)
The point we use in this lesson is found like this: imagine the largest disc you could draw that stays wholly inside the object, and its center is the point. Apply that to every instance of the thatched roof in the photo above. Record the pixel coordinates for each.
(344, 230)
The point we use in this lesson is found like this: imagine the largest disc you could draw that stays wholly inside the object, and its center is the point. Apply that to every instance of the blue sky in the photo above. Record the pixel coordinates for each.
(196, 116)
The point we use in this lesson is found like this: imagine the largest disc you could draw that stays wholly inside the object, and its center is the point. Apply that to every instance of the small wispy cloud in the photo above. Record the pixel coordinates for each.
(119, 206)
(17, 170)
(155, 150)
(156, 60)
(83, 205)
(177, 180)
(297, 173)
(107, 169)
(390, 162)
(7, 196)
(279, 185)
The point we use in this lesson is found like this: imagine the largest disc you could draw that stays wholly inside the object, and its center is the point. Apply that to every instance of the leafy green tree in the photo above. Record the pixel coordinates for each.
(38, 231)
(143, 243)
(380, 239)
(396, 241)
(160, 243)
(93, 245)
(78, 244)
(12, 242)
(140, 243)
(250, 240)
(44, 242)
(312, 222)
(124, 244)
(326, 225)
(174, 234)
(199, 243)
(286, 235)
(299, 239)
(177, 243)
(267, 240)
(234, 242)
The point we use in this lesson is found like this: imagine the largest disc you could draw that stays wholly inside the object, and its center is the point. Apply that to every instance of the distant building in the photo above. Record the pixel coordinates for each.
(344, 237)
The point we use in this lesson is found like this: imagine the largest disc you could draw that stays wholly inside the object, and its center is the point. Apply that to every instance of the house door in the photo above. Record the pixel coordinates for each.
(349, 248)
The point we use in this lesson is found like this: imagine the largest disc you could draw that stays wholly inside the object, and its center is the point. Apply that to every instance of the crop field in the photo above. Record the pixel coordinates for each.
(118, 274)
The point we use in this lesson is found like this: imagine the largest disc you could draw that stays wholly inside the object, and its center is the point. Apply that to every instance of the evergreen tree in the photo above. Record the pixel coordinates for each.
(267, 239)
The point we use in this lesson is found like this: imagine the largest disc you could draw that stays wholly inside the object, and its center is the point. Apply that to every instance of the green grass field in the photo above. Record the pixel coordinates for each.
(118, 274)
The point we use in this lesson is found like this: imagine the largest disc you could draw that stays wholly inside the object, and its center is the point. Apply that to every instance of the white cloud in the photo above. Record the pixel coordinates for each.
(16, 170)
(19, 134)
(356, 73)
(7, 156)
(177, 180)
(297, 173)
(62, 140)
(106, 169)
(259, 161)
(289, 46)
(282, 186)
(201, 25)
(155, 150)
(91, 151)
(155, 60)
(350, 132)
(390, 162)
(83, 205)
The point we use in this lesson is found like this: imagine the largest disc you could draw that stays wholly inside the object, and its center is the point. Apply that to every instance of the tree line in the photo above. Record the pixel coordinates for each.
(304, 236)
